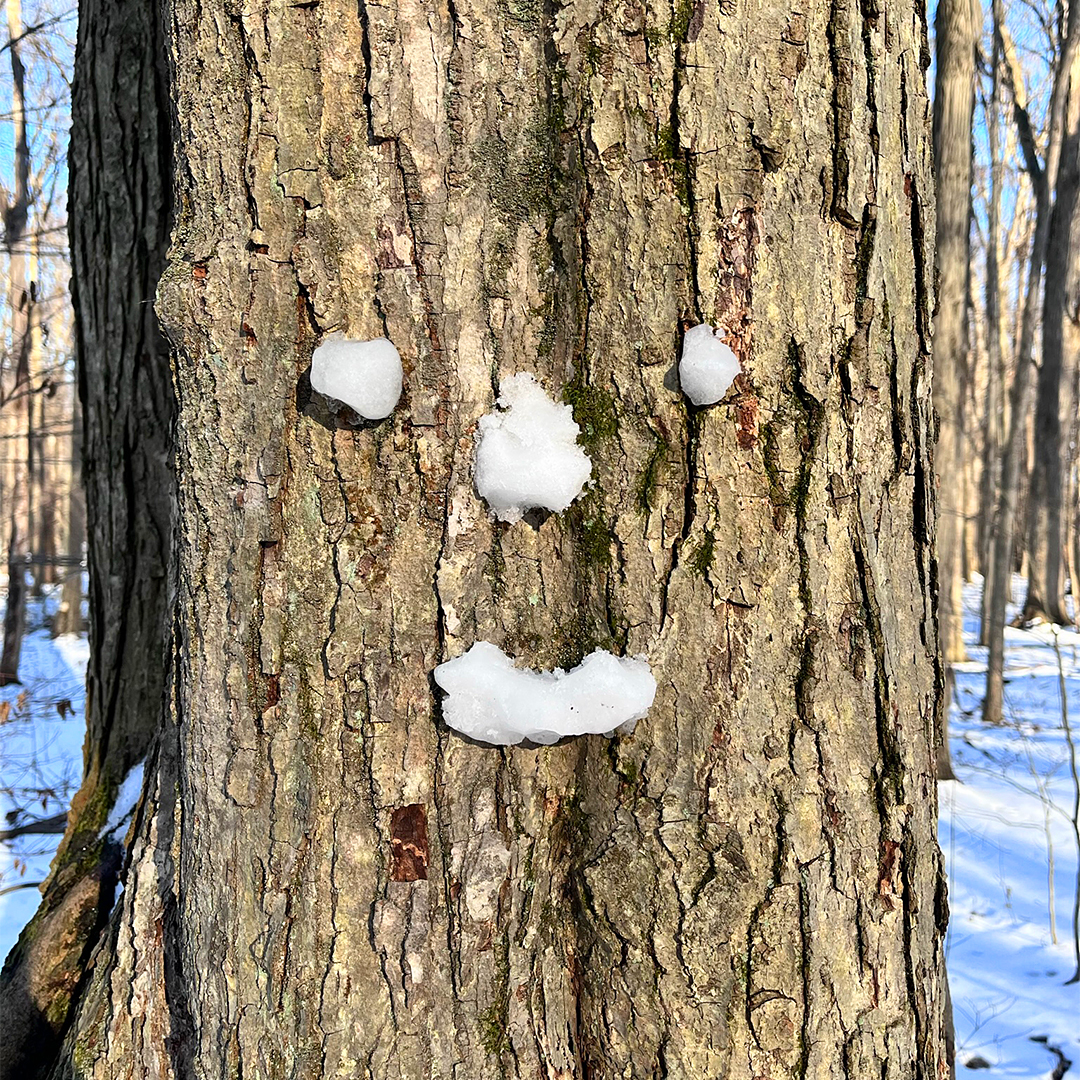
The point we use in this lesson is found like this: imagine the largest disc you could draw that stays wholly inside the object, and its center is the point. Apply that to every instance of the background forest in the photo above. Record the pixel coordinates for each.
(1007, 394)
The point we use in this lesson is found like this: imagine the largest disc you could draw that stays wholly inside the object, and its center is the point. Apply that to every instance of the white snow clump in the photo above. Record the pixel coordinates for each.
(708, 366)
(495, 702)
(365, 375)
(528, 456)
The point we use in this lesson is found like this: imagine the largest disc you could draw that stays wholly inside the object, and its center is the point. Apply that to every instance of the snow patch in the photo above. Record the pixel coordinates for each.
(126, 799)
(528, 455)
(1011, 857)
(708, 367)
(365, 375)
(494, 702)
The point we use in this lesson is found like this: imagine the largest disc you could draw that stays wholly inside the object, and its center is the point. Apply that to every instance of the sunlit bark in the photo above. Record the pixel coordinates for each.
(504, 187)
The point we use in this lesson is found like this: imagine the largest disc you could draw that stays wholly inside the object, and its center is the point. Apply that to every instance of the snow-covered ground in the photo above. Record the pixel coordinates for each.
(41, 736)
(1005, 832)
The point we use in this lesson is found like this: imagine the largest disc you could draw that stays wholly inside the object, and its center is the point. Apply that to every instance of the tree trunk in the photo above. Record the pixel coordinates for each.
(119, 214)
(1070, 412)
(1044, 176)
(42, 538)
(69, 618)
(956, 30)
(750, 883)
(20, 303)
(994, 416)
(1046, 493)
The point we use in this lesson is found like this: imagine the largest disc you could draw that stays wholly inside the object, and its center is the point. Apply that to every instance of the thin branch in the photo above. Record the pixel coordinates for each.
(1020, 111)
(21, 885)
(29, 31)
(47, 826)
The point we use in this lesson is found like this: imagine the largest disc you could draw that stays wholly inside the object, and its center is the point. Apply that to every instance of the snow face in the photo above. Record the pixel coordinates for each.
(495, 702)
(365, 375)
(708, 367)
(528, 455)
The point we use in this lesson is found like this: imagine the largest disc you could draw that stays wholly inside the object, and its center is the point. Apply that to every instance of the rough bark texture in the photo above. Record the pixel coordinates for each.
(122, 140)
(956, 29)
(119, 201)
(749, 885)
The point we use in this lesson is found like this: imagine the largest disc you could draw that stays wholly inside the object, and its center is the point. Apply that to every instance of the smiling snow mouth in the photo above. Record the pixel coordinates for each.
(495, 702)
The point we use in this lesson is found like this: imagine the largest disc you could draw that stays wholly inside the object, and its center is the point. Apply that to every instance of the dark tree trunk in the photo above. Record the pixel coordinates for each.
(119, 213)
(994, 416)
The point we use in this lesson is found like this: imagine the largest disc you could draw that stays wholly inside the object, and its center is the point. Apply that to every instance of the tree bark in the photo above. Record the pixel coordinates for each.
(119, 213)
(956, 26)
(750, 883)
(1070, 411)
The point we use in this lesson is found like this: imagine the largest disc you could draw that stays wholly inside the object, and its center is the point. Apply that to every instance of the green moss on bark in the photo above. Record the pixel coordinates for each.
(702, 558)
(594, 411)
(645, 490)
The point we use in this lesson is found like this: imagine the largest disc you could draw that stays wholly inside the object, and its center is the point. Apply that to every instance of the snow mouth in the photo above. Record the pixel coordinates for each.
(492, 701)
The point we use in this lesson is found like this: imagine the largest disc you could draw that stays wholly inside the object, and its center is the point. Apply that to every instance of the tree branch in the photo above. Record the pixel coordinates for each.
(29, 31)
(50, 825)
(1024, 129)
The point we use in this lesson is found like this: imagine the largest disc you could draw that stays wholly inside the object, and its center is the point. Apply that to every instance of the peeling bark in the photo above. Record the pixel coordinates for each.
(749, 885)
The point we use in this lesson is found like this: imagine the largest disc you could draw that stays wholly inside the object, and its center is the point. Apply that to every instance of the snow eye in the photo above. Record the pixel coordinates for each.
(365, 375)
(707, 367)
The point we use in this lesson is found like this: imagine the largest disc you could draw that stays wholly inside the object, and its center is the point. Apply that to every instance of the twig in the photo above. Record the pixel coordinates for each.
(1063, 1063)
(1076, 804)
(50, 825)
(21, 885)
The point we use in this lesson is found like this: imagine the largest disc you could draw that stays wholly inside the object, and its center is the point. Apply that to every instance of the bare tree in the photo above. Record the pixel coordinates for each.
(120, 216)
(69, 619)
(956, 34)
(994, 401)
(21, 297)
(1043, 173)
(1046, 517)
(26, 375)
